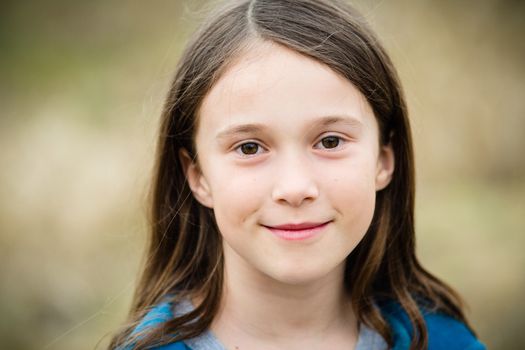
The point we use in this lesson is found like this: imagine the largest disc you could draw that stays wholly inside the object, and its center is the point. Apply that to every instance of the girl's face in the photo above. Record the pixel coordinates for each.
(283, 140)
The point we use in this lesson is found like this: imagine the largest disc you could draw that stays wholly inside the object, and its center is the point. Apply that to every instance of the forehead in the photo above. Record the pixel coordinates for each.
(273, 85)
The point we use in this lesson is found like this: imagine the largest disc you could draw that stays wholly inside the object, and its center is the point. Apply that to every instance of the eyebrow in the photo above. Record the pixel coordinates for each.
(319, 122)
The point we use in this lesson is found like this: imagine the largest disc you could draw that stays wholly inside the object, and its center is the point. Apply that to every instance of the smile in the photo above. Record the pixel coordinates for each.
(293, 232)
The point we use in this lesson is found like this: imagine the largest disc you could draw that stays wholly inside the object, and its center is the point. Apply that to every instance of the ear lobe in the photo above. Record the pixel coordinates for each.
(385, 167)
(198, 184)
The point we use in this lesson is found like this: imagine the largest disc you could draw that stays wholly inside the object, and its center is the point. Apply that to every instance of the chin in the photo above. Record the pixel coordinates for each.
(295, 275)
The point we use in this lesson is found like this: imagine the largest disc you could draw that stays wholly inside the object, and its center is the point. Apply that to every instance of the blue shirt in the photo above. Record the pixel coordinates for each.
(444, 332)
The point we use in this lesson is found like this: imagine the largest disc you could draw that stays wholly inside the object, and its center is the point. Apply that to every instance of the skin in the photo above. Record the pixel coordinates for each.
(281, 294)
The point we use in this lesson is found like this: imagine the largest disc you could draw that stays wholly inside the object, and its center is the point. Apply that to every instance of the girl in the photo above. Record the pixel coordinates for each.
(283, 200)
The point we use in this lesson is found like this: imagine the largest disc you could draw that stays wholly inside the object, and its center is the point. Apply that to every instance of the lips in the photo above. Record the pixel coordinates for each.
(301, 226)
(298, 232)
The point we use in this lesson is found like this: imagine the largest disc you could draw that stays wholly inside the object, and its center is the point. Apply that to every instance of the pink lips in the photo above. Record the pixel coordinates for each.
(296, 232)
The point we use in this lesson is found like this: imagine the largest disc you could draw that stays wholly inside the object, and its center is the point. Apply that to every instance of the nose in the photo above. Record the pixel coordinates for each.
(294, 181)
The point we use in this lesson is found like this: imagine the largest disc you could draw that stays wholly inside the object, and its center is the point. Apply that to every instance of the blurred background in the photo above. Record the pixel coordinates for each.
(80, 92)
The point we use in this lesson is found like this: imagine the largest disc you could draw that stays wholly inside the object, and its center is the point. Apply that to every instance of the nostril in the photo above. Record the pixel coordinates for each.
(294, 200)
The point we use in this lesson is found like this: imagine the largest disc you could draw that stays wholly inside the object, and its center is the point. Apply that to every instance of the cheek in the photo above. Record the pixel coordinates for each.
(237, 194)
(352, 192)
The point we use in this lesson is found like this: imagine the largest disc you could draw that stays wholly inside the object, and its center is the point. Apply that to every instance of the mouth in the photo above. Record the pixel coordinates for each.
(296, 232)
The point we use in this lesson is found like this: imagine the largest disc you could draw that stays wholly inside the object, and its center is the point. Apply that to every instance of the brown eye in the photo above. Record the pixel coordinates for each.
(249, 148)
(330, 142)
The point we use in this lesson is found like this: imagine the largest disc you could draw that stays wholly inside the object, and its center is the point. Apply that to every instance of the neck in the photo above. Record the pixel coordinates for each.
(259, 307)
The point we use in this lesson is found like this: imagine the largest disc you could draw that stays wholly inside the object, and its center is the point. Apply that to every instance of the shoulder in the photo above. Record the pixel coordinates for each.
(444, 332)
(158, 314)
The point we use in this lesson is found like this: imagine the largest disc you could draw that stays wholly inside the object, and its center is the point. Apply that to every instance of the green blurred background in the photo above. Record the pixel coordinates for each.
(81, 88)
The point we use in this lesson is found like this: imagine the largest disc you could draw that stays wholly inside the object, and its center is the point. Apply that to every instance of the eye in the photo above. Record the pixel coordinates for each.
(248, 148)
(330, 142)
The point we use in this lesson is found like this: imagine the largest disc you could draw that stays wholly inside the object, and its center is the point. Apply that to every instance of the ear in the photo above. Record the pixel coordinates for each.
(385, 166)
(198, 184)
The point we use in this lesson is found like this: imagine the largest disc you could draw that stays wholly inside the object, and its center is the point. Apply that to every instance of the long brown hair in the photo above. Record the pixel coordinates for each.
(184, 256)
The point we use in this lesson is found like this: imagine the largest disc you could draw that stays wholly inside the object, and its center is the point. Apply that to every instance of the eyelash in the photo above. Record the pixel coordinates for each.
(237, 148)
